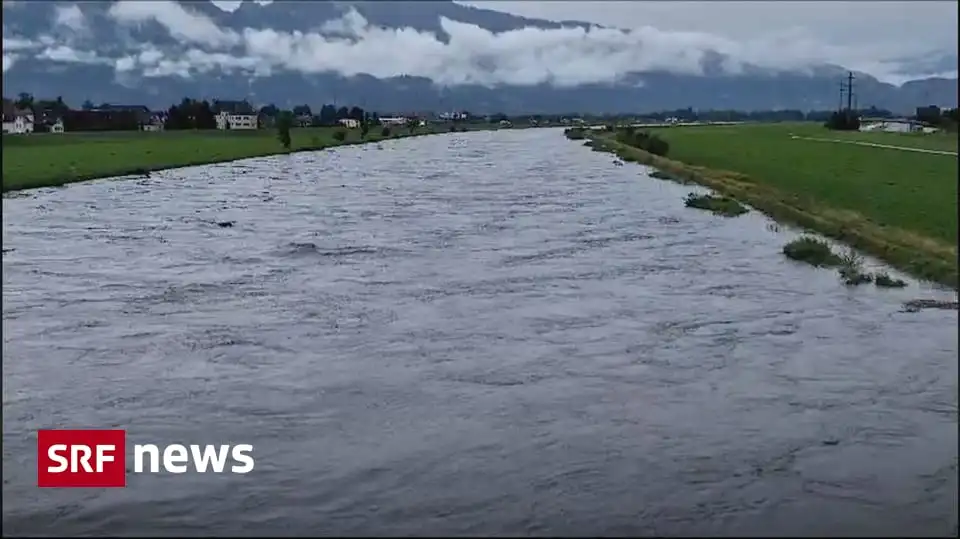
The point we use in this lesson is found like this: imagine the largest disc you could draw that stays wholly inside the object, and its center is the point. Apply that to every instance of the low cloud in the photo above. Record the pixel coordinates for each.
(70, 17)
(472, 55)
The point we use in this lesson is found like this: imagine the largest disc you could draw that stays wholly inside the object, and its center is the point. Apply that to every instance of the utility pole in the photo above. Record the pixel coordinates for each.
(849, 91)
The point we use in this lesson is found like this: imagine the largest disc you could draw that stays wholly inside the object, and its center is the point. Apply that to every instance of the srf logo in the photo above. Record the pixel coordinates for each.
(81, 458)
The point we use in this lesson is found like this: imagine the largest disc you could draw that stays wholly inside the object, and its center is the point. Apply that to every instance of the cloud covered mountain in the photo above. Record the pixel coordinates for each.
(398, 56)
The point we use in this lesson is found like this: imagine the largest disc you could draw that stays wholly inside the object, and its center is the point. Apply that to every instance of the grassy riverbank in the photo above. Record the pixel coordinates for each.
(44, 160)
(897, 205)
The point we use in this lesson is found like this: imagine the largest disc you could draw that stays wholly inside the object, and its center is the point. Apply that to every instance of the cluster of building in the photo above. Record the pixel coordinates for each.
(229, 115)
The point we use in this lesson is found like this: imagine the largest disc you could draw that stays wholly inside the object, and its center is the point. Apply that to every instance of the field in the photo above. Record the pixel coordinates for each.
(41, 160)
(910, 190)
(898, 205)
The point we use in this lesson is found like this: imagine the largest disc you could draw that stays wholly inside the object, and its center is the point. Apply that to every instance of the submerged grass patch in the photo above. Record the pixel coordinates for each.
(719, 205)
(813, 251)
(851, 269)
(884, 280)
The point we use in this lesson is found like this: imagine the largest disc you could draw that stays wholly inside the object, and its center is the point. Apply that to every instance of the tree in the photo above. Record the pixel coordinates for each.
(364, 129)
(88, 105)
(25, 100)
(343, 113)
(328, 115)
(302, 110)
(357, 114)
(269, 110)
(284, 123)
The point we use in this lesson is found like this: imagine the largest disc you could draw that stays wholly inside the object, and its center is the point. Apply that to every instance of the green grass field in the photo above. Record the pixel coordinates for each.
(910, 190)
(42, 160)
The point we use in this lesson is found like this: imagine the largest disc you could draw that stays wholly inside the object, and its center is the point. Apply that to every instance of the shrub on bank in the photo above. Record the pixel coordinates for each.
(385, 132)
(645, 141)
(851, 270)
(719, 205)
(813, 251)
(340, 136)
(884, 280)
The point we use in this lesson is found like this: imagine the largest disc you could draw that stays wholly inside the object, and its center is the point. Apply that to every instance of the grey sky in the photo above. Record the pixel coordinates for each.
(880, 38)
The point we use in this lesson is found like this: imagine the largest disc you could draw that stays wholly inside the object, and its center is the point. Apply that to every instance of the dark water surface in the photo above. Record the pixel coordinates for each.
(486, 333)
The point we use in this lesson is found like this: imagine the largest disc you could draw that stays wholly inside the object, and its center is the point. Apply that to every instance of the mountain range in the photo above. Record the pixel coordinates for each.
(402, 56)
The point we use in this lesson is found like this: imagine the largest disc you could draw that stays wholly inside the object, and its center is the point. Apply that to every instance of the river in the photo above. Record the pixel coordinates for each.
(482, 333)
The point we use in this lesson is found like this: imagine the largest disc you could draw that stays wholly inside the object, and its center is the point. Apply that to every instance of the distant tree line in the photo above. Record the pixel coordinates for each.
(936, 117)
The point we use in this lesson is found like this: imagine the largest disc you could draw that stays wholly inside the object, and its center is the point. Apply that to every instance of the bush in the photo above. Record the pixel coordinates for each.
(719, 205)
(340, 136)
(643, 140)
(385, 132)
(851, 270)
(843, 121)
(284, 123)
(813, 251)
(884, 280)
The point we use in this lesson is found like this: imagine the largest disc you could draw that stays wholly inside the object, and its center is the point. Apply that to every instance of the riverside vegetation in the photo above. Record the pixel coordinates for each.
(899, 206)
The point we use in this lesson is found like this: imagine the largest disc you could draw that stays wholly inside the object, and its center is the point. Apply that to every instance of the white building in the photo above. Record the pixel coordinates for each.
(393, 121)
(226, 120)
(17, 121)
(57, 126)
(235, 115)
(893, 126)
(349, 123)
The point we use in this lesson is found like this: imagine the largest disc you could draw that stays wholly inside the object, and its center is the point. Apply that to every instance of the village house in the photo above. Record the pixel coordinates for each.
(349, 123)
(235, 115)
(48, 119)
(399, 120)
(16, 121)
(303, 120)
(156, 122)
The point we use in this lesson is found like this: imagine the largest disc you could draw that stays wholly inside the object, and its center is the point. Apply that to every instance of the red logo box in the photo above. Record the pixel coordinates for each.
(81, 458)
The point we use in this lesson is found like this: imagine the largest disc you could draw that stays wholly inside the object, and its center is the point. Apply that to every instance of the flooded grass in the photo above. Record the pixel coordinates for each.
(719, 205)
(919, 231)
(813, 251)
(575, 133)
(661, 175)
(884, 280)
(851, 269)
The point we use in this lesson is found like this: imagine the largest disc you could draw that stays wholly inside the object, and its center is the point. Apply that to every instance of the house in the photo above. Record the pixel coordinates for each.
(349, 123)
(157, 122)
(892, 126)
(235, 115)
(393, 121)
(16, 120)
(48, 119)
(303, 120)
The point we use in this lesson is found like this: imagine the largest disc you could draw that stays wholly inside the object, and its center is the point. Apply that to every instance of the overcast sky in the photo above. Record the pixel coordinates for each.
(864, 33)
(873, 37)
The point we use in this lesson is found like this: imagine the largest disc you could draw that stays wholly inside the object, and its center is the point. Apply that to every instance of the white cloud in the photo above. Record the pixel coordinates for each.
(65, 54)
(8, 61)
(182, 23)
(70, 17)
